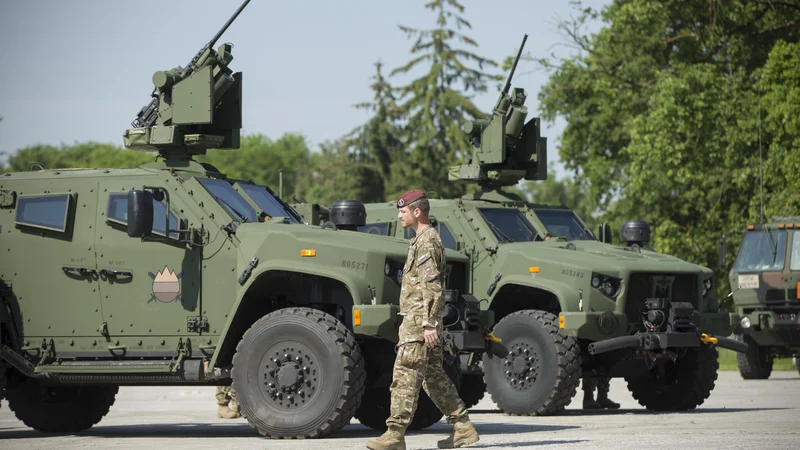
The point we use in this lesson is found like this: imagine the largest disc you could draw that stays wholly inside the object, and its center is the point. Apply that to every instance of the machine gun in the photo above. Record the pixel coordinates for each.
(193, 108)
(505, 150)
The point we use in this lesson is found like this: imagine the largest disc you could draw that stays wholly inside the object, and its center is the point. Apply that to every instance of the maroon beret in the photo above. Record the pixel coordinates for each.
(409, 197)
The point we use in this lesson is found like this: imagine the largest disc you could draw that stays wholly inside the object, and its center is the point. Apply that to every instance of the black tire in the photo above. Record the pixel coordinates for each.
(472, 389)
(60, 409)
(374, 408)
(755, 363)
(287, 398)
(687, 383)
(542, 371)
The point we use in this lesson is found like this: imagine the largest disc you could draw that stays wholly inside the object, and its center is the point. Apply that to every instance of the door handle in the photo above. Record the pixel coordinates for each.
(80, 270)
(116, 273)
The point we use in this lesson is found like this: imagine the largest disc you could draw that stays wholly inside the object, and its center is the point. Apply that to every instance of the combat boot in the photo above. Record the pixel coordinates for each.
(588, 401)
(223, 412)
(604, 402)
(464, 434)
(392, 439)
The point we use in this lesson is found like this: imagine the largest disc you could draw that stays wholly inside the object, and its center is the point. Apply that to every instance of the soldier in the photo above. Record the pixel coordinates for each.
(419, 350)
(602, 385)
(227, 396)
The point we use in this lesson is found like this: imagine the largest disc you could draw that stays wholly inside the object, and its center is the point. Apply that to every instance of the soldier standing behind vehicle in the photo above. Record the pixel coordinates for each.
(603, 402)
(227, 406)
(419, 350)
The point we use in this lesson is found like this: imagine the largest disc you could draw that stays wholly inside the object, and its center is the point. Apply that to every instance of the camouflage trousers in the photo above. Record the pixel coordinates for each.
(417, 366)
(601, 384)
(225, 395)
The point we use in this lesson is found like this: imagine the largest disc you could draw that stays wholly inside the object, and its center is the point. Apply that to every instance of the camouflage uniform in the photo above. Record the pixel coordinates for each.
(603, 384)
(416, 365)
(227, 405)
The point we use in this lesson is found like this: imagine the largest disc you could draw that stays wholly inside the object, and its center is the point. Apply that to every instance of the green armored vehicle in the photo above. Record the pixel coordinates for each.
(765, 280)
(174, 274)
(567, 304)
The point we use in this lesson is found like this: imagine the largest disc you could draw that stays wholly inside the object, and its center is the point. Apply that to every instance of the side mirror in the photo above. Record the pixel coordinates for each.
(604, 232)
(722, 251)
(140, 213)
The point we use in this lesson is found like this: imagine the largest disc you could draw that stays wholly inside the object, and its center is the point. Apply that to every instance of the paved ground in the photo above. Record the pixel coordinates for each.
(738, 415)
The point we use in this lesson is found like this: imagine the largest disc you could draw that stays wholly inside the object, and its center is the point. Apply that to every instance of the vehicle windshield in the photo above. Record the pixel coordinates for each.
(509, 225)
(564, 223)
(760, 253)
(794, 263)
(229, 199)
(268, 202)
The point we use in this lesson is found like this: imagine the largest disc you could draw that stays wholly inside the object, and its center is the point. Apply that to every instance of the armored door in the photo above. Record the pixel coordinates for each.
(150, 287)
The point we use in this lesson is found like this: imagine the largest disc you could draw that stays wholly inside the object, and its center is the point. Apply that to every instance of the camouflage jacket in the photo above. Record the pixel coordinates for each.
(422, 290)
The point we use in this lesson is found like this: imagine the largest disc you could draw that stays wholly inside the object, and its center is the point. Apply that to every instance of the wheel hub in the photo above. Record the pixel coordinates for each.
(521, 366)
(289, 376)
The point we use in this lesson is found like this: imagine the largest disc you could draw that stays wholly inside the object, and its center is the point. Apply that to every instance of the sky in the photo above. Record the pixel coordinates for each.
(80, 70)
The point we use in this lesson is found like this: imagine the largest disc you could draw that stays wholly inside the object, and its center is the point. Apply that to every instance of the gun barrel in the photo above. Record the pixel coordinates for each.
(227, 24)
(514, 66)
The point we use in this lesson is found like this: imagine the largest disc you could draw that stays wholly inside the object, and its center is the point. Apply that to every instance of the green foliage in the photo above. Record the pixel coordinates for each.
(261, 159)
(673, 107)
(437, 103)
(90, 154)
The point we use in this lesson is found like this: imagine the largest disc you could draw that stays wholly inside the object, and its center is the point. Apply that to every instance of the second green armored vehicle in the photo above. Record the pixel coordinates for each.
(567, 304)
(765, 283)
(175, 274)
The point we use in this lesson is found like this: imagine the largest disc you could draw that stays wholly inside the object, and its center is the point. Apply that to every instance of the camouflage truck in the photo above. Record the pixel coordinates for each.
(765, 284)
(167, 275)
(567, 304)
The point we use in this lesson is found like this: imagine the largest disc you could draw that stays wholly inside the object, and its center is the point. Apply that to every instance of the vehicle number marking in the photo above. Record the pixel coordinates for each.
(572, 273)
(355, 265)
(748, 281)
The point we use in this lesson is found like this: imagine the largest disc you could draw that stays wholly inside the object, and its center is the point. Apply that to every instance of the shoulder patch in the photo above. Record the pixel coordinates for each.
(423, 258)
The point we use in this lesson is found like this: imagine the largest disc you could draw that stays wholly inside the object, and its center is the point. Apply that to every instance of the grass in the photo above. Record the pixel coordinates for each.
(727, 361)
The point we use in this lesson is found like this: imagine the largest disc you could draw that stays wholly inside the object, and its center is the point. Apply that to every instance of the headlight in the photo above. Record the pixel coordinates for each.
(745, 322)
(609, 286)
(706, 286)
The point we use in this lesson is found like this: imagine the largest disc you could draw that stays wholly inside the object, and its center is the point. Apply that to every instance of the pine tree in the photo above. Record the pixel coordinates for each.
(439, 102)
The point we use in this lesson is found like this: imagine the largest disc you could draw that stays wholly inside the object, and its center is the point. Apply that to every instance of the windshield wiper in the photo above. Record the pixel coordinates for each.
(499, 231)
(242, 217)
(772, 246)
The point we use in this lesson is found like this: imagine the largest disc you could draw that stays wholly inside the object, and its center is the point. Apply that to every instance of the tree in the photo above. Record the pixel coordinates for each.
(559, 192)
(437, 103)
(377, 144)
(89, 155)
(671, 109)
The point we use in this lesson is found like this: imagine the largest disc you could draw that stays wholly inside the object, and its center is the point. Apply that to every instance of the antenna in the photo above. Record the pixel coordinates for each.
(760, 161)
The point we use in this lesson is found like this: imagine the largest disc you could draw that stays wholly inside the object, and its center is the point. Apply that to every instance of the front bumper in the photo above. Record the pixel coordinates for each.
(599, 326)
(657, 341)
(769, 328)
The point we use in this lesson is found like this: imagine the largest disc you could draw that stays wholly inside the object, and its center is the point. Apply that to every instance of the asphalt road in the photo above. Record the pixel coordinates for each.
(738, 415)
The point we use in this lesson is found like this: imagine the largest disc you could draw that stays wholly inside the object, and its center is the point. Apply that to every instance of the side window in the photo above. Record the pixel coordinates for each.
(794, 263)
(118, 213)
(381, 228)
(44, 211)
(448, 241)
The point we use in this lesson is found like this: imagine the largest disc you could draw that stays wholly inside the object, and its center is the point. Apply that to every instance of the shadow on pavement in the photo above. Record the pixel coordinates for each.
(614, 412)
(243, 430)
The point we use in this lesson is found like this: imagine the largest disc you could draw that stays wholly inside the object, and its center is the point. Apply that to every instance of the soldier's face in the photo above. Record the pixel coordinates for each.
(408, 217)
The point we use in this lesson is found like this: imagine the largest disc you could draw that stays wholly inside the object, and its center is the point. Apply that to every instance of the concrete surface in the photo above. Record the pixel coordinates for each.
(739, 415)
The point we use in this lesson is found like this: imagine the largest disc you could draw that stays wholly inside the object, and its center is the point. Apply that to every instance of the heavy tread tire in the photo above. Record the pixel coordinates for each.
(77, 409)
(2, 382)
(692, 385)
(345, 380)
(562, 359)
(374, 408)
(755, 363)
(472, 389)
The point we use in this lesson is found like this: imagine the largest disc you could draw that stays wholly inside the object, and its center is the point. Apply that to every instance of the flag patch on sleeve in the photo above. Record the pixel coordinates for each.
(423, 258)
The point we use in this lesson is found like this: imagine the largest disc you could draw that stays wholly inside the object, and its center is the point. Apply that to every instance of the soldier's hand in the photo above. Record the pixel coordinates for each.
(431, 338)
